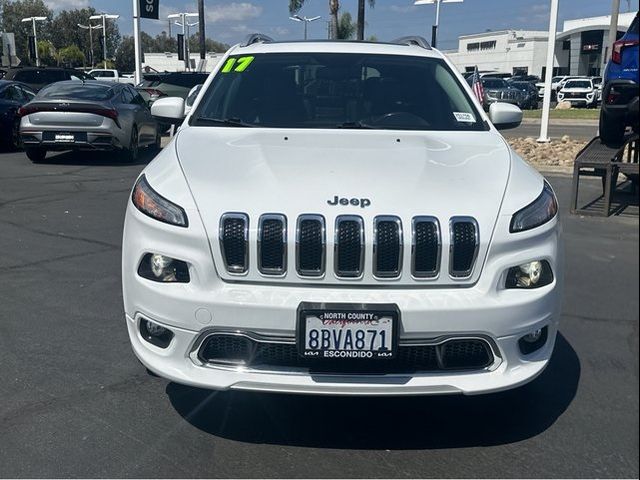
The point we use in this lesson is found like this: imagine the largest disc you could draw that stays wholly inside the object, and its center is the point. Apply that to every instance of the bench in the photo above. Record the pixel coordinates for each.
(607, 162)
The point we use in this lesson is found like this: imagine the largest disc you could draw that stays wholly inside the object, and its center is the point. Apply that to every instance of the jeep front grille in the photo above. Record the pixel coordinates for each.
(234, 242)
(272, 244)
(464, 246)
(426, 247)
(349, 260)
(349, 246)
(311, 245)
(387, 247)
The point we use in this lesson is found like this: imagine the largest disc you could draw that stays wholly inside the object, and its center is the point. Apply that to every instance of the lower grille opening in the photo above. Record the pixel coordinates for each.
(227, 349)
(454, 354)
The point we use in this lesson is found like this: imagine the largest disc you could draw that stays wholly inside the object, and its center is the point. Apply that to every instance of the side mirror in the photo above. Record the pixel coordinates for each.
(504, 115)
(168, 110)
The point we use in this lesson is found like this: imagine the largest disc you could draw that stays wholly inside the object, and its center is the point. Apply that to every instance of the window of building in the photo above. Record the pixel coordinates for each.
(566, 45)
(489, 45)
(520, 71)
(472, 47)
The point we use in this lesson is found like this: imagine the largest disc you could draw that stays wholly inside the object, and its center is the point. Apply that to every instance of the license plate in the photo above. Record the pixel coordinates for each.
(347, 331)
(64, 138)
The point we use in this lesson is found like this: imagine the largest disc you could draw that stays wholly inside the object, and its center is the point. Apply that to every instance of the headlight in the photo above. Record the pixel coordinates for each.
(543, 209)
(151, 203)
(160, 268)
(530, 275)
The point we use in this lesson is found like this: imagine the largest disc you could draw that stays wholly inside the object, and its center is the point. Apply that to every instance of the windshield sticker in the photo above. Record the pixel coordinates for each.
(464, 117)
(240, 64)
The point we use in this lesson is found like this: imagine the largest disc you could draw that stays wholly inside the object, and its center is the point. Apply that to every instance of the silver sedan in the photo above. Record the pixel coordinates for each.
(92, 115)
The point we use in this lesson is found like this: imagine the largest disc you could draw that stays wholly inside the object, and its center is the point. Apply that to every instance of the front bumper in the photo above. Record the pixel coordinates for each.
(207, 303)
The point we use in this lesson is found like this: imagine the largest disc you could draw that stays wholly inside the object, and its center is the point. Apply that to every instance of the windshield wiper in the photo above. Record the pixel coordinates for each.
(229, 122)
(356, 125)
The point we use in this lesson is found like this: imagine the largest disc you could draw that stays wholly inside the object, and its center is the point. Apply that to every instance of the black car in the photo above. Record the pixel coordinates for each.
(525, 78)
(12, 96)
(38, 77)
(530, 99)
(175, 84)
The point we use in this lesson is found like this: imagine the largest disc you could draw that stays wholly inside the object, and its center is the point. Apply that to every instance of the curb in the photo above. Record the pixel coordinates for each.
(563, 121)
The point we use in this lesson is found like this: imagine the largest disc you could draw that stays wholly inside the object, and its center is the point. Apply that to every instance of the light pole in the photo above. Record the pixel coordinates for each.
(184, 23)
(305, 20)
(104, 17)
(548, 73)
(91, 28)
(33, 21)
(434, 29)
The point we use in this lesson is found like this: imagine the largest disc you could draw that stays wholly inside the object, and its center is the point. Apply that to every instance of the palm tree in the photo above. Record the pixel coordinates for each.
(334, 7)
(346, 27)
(361, 9)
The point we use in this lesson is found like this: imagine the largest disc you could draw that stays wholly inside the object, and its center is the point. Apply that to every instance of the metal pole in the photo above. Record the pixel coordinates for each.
(136, 42)
(104, 40)
(434, 32)
(185, 44)
(306, 22)
(35, 41)
(613, 30)
(91, 45)
(551, 47)
(203, 45)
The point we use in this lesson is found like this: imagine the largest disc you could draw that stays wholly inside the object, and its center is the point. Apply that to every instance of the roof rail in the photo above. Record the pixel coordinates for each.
(413, 40)
(255, 38)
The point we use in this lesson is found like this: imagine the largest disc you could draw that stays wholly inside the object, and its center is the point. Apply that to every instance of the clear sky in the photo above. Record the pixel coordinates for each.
(230, 20)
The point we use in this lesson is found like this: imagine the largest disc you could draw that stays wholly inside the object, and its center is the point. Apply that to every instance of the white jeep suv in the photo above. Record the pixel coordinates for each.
(341, 218)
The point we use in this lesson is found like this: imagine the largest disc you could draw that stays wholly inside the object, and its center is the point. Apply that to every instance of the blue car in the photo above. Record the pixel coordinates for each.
(620, 91)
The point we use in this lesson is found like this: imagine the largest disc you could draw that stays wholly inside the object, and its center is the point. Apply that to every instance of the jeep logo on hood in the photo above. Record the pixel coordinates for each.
(362, 202)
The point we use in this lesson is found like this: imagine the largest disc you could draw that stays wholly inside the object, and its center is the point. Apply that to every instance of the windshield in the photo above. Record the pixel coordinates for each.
(577, 84)
(328, 90)
(494, 83)
(77, 90)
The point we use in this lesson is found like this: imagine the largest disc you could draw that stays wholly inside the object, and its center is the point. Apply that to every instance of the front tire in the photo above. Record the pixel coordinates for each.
(611, 129)
(36, 154)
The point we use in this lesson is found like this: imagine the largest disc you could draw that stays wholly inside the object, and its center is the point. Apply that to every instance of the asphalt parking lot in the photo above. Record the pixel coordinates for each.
(75, 402)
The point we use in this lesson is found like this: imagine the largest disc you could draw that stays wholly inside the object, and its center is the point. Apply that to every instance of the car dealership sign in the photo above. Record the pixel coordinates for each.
(149, 9)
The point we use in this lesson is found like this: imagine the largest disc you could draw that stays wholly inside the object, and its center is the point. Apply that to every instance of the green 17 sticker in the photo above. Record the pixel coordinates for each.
(238, 65)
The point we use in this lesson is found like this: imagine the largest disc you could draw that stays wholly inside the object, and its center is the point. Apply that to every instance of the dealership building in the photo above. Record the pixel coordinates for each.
(580, 48)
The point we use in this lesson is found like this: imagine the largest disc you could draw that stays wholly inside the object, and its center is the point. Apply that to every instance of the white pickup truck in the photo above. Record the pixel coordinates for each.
(111, 75)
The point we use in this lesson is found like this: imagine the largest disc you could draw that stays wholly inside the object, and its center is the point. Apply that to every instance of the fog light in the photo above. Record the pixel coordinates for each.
(161, 268)
(530, 275)
(155, 334)
(533, 337)
(533, 341)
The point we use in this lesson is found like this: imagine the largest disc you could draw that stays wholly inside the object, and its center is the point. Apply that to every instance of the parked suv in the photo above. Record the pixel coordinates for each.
(499, 90)
(579, 92)
(39, 77)
(620, 91)
(341, 218)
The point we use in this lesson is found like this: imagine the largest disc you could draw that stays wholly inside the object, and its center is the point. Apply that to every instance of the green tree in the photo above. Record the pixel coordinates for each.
(71, 56)
(361, 16)
(12, 14)
(46, 53)
(125, 55)
(67, 32)
(346, 27)
(210, 44)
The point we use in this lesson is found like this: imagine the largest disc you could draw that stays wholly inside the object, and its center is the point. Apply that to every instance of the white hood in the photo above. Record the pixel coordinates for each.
(257, 171)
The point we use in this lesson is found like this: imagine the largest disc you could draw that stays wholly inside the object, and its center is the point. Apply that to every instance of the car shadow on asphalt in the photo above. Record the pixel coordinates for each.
(98, 158)
(393, 423)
